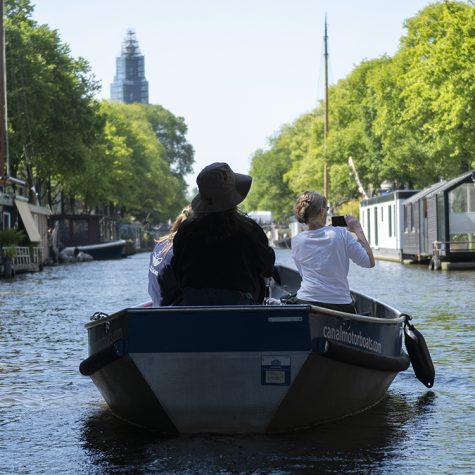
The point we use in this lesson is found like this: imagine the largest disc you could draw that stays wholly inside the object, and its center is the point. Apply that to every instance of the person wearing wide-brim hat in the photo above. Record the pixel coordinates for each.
(220, 255)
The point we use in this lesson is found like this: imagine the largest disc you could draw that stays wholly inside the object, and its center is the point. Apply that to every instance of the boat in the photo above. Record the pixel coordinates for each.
(284, 243)
(91, 234)
(249, 369)
(101, 251)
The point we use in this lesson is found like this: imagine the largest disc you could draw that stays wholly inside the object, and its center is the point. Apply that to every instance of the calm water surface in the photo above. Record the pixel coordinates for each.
(53, 420)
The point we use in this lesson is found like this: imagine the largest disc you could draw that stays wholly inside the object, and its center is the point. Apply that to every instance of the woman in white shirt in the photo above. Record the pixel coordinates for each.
(322, 254)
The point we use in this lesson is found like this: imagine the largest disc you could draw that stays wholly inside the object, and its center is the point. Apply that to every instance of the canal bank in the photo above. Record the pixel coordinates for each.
(53, 420)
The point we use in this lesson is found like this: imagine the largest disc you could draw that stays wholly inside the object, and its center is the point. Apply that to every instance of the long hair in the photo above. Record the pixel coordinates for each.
(185, 213)
(219, 225)
(308, 203)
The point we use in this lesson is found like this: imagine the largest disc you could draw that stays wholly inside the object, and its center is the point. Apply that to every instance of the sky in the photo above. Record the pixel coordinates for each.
(235, 70)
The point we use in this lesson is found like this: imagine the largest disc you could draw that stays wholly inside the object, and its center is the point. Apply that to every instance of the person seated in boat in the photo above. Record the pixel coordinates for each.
(163, 287)
(322, 254)
(221, 256)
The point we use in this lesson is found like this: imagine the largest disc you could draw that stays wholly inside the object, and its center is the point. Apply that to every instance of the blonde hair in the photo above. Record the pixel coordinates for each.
(308, 203)
(185, 212)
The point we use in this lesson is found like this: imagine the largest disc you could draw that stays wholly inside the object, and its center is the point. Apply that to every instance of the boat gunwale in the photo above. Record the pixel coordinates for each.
(210, 309)
(312, 309)
(360, 318)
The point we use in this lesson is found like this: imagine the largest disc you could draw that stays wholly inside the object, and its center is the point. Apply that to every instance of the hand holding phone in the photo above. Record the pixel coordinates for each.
(339, 221)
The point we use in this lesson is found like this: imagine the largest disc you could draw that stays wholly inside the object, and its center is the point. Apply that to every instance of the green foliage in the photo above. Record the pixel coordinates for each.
(11, 237)
(52, 116)
(131, 158)
(9, 251)
(142, 178)
(348, 207)
(408, 118)
(271, 189)
(171, 133)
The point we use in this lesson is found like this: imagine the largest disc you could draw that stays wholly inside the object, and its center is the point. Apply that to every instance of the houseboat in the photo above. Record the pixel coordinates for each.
(439, 223)
(93, 234)
(382, 219)
(17, 213)
(435, 225)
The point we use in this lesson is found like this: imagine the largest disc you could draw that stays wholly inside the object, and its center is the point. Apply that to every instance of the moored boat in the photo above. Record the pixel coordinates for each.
(92, 234)
(245, 369)
(104, 250)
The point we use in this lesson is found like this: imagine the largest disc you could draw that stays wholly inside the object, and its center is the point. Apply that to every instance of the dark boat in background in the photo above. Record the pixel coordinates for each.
(284, 243)
(93, 234)
(245, 369)
(102, 251)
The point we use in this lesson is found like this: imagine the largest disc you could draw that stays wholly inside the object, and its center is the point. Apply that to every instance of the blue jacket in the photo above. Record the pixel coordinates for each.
(163, 287)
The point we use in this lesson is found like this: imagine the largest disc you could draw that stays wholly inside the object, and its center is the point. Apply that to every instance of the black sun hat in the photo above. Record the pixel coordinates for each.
(220, 189)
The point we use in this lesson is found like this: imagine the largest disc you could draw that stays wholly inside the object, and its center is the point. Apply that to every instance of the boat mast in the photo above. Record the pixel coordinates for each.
(325, 130)
(4, 161)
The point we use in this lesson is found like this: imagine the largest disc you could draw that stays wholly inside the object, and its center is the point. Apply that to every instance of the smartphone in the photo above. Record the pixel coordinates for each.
(338, 221)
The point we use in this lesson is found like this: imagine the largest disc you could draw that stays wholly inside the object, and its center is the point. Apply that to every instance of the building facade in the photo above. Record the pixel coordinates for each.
(382, 219)
(129, 84)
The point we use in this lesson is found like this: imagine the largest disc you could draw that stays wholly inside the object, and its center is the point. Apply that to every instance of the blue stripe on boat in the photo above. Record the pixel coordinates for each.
(220, 330)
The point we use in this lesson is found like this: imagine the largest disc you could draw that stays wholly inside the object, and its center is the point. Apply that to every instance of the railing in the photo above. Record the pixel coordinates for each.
(445, 248)
(25, 258)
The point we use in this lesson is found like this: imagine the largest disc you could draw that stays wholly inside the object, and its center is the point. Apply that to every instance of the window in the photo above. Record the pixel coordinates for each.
(375, 225)
(390, 221)
(7, 220)
(369, 224)
(81, 231)
(462, 215)
(462, 199)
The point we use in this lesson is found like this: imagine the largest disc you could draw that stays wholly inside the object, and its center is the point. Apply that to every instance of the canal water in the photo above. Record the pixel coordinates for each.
(54, 421)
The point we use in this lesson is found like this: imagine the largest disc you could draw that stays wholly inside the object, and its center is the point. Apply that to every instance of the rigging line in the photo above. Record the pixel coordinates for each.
(331, 79)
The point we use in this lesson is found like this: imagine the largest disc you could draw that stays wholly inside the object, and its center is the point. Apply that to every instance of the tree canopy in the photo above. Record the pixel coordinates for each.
(75, 149)
(408, 119)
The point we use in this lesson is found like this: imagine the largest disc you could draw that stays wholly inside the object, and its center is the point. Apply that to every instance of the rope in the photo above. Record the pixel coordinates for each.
(98, 316)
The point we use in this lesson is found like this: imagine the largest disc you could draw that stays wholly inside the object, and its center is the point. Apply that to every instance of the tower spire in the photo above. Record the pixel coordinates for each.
(129, 84)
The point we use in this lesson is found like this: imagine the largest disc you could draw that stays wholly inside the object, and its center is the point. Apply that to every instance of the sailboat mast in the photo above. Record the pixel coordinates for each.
(325, 130)
(3, 102)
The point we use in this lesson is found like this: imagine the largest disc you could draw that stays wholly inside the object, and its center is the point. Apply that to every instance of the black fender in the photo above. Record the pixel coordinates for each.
(102, 358)
(419, 354)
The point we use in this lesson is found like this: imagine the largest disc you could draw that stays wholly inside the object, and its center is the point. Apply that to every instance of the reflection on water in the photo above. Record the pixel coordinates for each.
(365, 440)
(53, 420)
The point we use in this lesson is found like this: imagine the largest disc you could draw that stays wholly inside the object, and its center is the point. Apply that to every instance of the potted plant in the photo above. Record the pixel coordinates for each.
(9, 239)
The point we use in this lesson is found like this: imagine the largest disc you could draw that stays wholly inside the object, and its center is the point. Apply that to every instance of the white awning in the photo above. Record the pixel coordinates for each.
(28, 221)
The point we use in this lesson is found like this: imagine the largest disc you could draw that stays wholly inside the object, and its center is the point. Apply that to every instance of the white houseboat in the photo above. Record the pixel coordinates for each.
(382, 219)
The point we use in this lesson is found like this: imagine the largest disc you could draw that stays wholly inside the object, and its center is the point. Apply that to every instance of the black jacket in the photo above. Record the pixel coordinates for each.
(236, 262)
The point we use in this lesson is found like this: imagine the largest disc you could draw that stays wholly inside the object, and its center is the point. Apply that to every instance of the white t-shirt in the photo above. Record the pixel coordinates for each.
(322, 258)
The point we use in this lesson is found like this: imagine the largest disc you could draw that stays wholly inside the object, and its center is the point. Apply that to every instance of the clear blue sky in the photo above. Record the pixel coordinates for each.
(236, 70)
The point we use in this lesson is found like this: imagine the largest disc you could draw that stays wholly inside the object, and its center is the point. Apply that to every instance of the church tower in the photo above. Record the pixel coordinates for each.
(129, 84)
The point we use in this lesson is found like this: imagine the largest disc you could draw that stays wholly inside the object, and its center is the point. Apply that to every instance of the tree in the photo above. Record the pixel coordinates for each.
(53, 118)
(407, 118)
(430, 131)
(135, 175)
(271, 189)
(171, 133)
